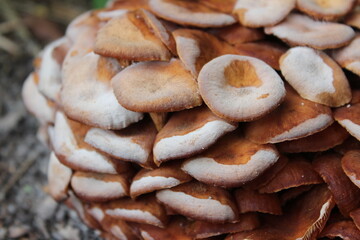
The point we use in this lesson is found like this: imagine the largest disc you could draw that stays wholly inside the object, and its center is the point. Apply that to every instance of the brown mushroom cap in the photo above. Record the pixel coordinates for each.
(156, 87)
(349, 144)
(263, 13)
(204, 230)
(132, 144)
(292, 193)
(350, 163)
(191, 13)
(302, 65)
(220, 5)
(253, 201)
(72, 151)
(349, 56)
(348, 117)
(298, 118)
(346, 230)
(35, 102)
(134, 42)
(324, 140)
(355, 216)
(144, 209)
(200, 202)
(236, 34)
(59, 177)
(298, 172)
(99, 187)
(166, 176)
(325, 10)
(346, 194)
(87, 95)
(251, 86)
(300, 30)
(125, 4)
(303, 219)
(188, 133)
(196, 48)
(353, 19)
(232, 161)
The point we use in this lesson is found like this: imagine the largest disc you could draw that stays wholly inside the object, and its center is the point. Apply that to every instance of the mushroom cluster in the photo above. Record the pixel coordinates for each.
(205, 119)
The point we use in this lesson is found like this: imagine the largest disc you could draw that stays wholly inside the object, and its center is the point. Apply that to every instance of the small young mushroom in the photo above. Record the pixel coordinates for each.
(35, 102)
(324, 140)
(315, 76)
(295, 118)
(129, 37)
(188, 133)
(346, 194)
(253, 201)
(205, 230)
(99, 187)
(251, 86)
(166, 176)
(190, 13)
(87, 95)
(349, 56)
(231, 162)
(156, 87)
(200, 202)
(59, 177)
(263, 12)
(329, 10)
(131, 144)
(144, 209)
(300, 30)
(350, 163)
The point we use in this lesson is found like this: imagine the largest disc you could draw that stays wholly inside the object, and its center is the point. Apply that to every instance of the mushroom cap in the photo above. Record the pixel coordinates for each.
(99, 187)
(87, 95)
(196, 48)
(324, 140)
(190, 13)
(253, 201)
(350, 163)
(325, 10)
(200, 202)
(298, 117)
(353, 19)
(349, 144)
(303, 219)
(349, 56)
(135, 41)
(343, 229)
(263, 12)
(298, 172)
(292, 193)
(156, 87)
(131, 144)
(82, 25)
(300, 30)
(59, 177)
(205, 230)
(236, 34)
(251, 86)
(50, 69)
(166, 176)
(35, 102)
(69, 146)
(315, 76)
(144, 209)
(130, 5)
(348, 117)
(219, 5)
(188, 133)
(355, 216)
(232, 161)
(346, 194)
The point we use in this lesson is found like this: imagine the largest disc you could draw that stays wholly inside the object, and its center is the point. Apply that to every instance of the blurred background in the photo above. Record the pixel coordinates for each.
(26, 211)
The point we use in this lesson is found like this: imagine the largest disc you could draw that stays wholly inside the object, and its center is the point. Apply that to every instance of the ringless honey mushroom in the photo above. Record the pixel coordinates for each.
(205, 119)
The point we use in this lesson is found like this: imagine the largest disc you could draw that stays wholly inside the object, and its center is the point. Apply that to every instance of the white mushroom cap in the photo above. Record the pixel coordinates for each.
(59, 177)
(190, 13)
(262, 13)
(240, 88)
(301, 30)
(349, 56)
(35, 102)
(315, 76)
(87, 95)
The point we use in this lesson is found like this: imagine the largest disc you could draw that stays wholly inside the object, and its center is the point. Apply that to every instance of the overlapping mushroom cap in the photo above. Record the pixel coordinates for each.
(177, 119)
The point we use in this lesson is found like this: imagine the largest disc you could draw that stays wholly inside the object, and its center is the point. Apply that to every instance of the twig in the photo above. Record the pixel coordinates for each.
(30, 160)
(21, 30)
(9, 46)
(8, 26)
